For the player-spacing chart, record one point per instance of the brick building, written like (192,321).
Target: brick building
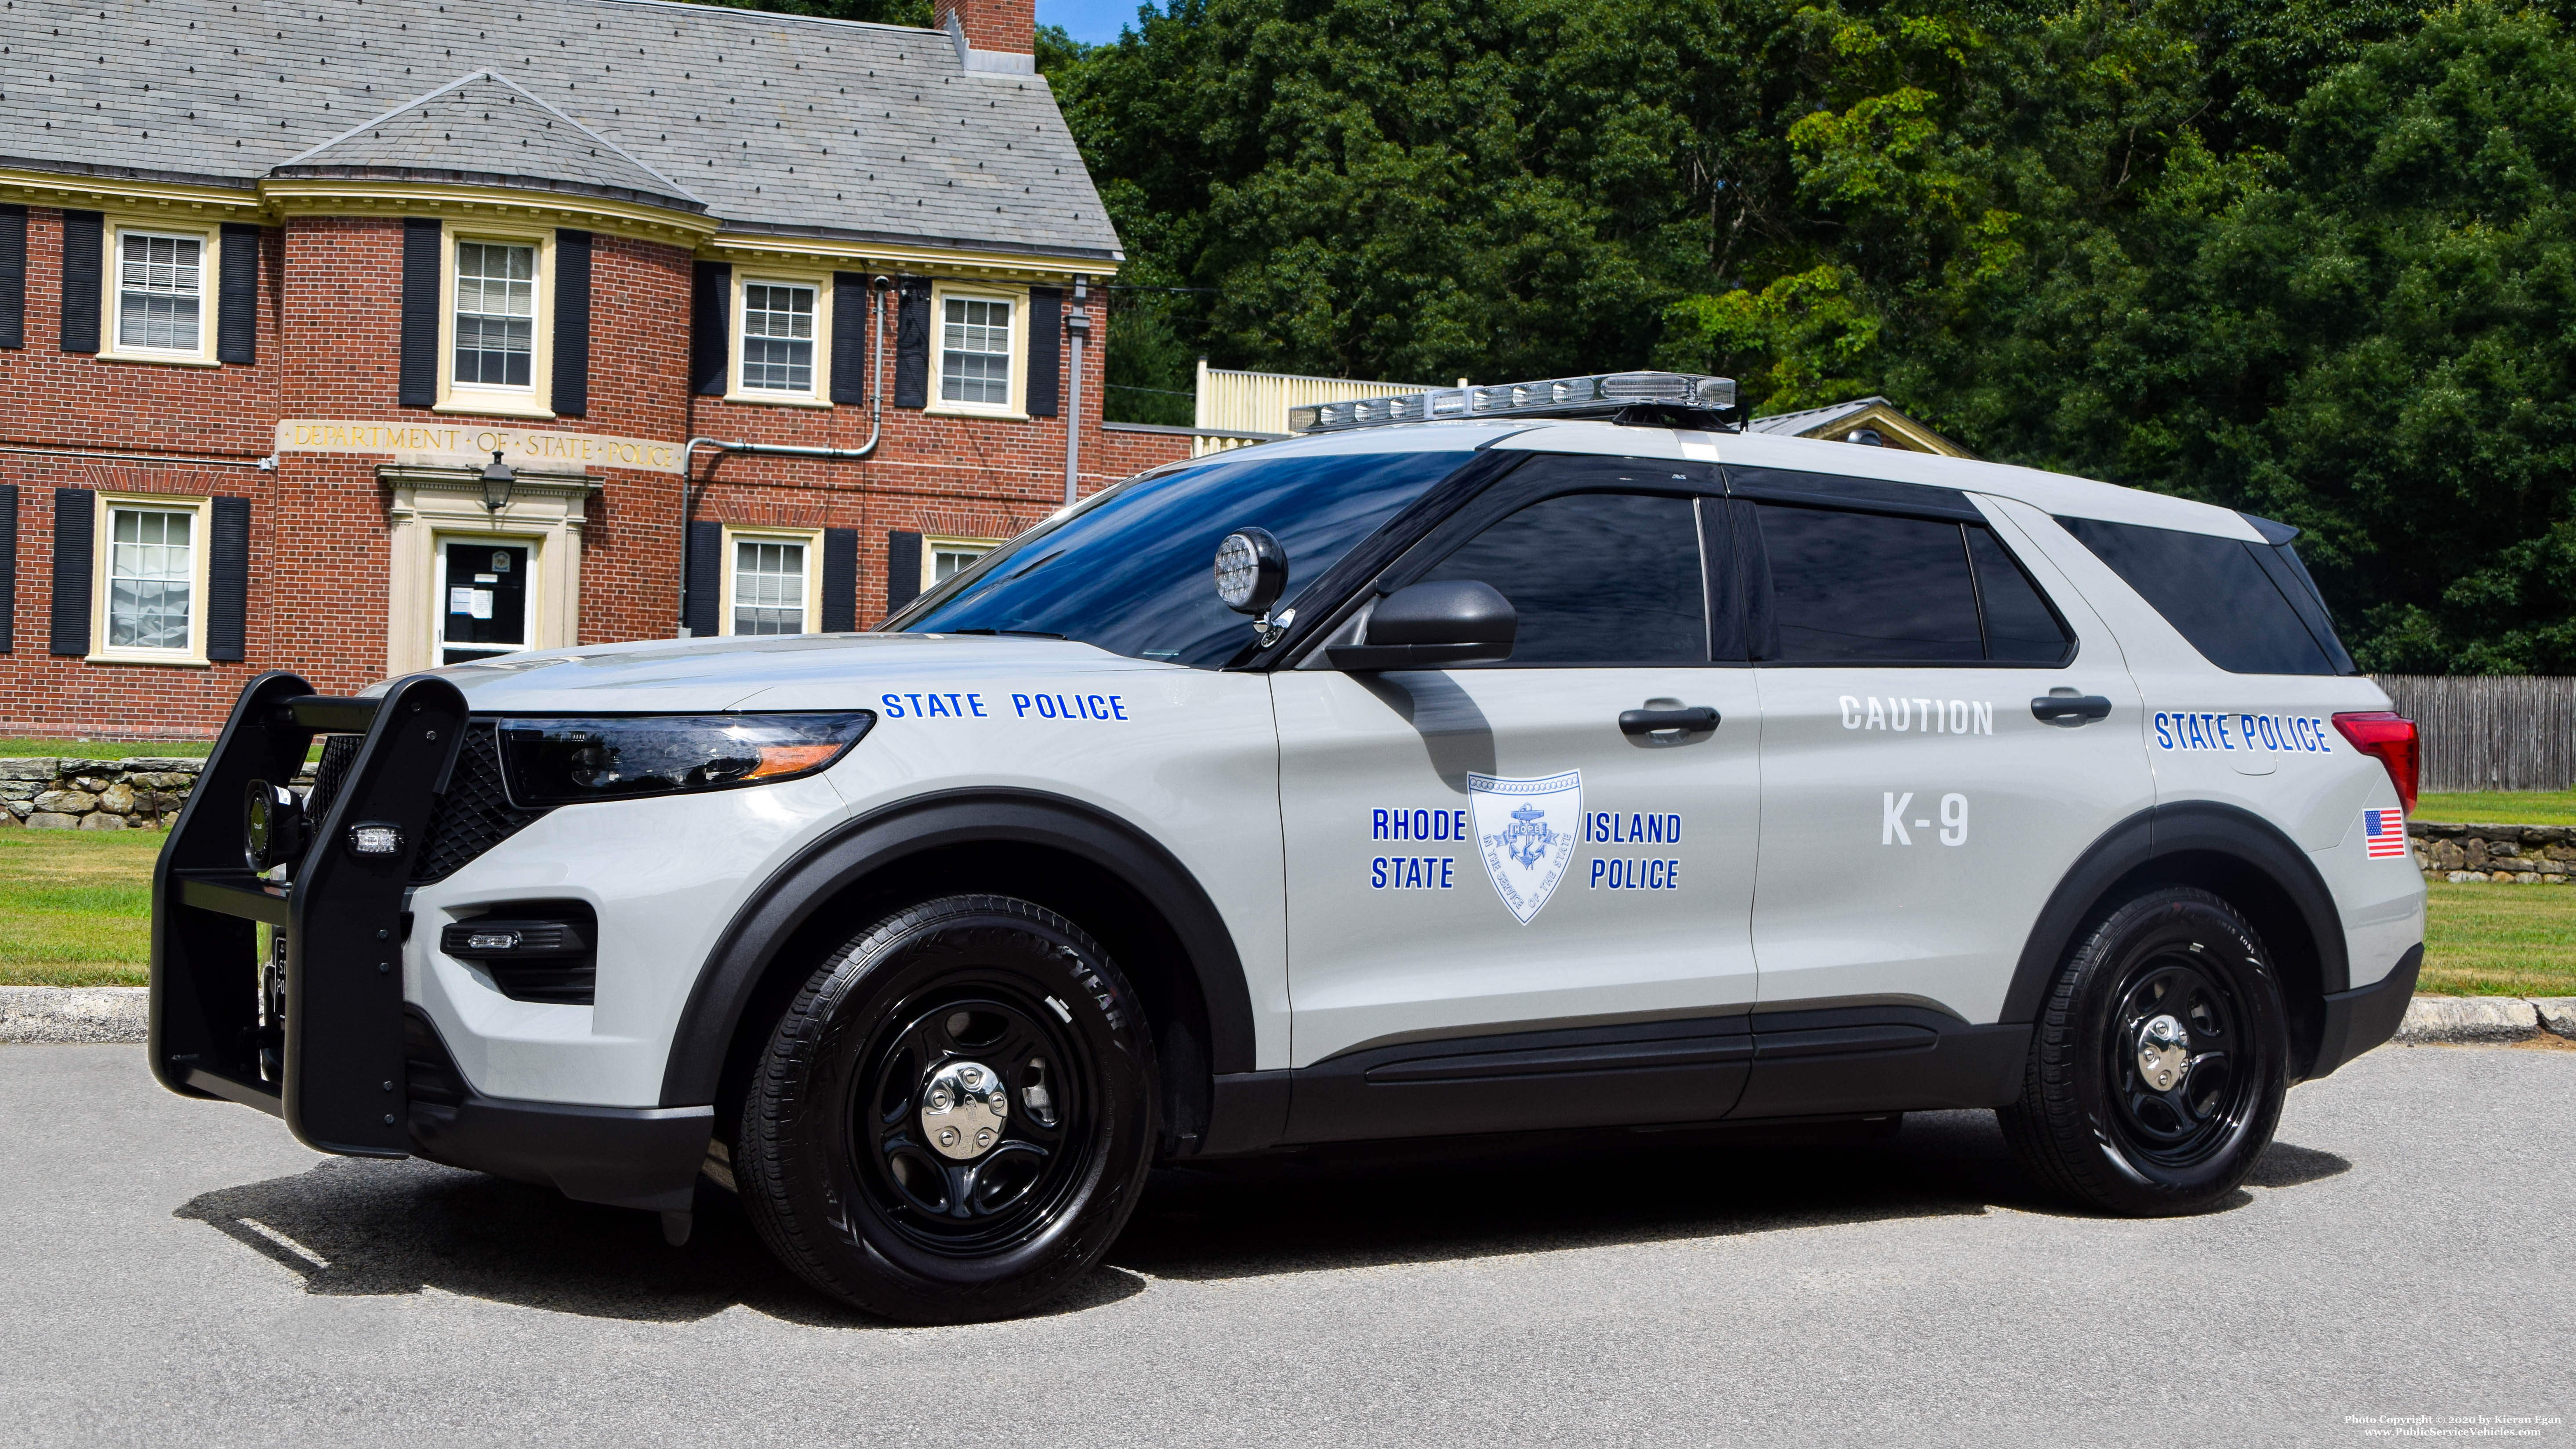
(278,277)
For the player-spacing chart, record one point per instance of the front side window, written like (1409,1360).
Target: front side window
(1596,578)
(160,292)
(777,337)
(151,578)
(1128,569)
(496,314)
(768,587)
(975,352)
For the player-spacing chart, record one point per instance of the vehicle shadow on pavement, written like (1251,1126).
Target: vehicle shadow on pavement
(363,1228)
(1370,1205)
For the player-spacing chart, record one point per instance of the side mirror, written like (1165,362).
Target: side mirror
(1424,626)
(1251,569)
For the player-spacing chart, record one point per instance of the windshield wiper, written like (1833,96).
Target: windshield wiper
(1012,633)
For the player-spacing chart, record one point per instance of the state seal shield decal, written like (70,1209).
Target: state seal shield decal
(1525,829)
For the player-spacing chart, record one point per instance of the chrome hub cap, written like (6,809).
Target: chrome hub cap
(2164,1052)
(962,1107)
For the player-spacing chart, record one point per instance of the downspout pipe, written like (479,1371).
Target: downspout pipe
(1077,325)
(878,286)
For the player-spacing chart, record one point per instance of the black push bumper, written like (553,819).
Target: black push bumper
(331,1048)
(2357,1020)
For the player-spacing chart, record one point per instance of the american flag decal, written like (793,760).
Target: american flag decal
(2385,832)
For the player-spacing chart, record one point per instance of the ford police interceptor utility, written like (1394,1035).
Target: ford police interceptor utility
(1542,756)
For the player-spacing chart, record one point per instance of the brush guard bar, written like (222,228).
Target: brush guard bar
(337,1076)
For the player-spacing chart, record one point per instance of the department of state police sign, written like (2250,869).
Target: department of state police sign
(1525,829)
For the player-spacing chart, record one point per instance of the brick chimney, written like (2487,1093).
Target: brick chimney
(994,26)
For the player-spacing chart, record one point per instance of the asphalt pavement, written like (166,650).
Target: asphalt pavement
(181,1273)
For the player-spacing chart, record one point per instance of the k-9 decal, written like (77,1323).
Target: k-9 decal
(1894,815)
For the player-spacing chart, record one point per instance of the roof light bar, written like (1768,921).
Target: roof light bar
(1599,395)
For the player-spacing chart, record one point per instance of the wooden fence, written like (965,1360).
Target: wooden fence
(2490,732)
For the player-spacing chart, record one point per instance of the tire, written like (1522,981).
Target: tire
(2159,1061)
(973,1052)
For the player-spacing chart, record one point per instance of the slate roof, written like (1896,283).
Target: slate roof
(777,123)
(486,131)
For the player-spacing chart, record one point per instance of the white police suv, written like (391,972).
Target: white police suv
(1543,756)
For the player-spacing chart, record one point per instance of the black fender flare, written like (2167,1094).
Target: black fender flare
(766,922)
(2194,826)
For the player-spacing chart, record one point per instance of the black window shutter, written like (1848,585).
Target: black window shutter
(237,301)
(84,248)
(1046,350)
(849,337)
(419,388)
(13,276)
(572,324)
(840,580)
(706,578)
(912,344)
(8,567)
(710,325)
(75,522)
(228,567)
(903,569)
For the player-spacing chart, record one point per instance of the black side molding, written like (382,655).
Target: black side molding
(1767,1066)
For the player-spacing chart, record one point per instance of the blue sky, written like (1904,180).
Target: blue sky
(1088,20)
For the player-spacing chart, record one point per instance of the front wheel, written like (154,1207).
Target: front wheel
(953,1119)
(2159,1062)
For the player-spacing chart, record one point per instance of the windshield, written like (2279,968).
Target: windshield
(1133,572)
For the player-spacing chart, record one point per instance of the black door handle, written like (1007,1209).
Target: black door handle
(1652,721)
(2078,707)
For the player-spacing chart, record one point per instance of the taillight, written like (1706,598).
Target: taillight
(2392,738)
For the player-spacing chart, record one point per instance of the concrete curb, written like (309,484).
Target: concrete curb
(72,1013)
(115,1014)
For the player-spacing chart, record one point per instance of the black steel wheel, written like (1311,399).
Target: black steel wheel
(2159,1062)
(954,1117)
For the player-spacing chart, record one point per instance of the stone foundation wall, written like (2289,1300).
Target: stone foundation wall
(2522,854)
(44,792)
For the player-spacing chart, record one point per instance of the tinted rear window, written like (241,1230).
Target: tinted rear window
(2216,592)
(1864,586)
(1132,571)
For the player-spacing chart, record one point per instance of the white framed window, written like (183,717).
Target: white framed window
(151,579)
(944,558)
(773,581)
(160,296)
(782,327)
(496,314)
(495,321)
(975,352)
(778,337)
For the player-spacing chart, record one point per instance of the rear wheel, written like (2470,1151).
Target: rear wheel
(954,1117)
(2159,1062)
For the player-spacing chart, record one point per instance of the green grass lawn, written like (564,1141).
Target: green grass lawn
(76,906)
(2500,807)
(107,749)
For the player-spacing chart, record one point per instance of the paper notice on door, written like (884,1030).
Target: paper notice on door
(482,603)
(460,601)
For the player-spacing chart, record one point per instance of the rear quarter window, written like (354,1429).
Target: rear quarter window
(2219,594)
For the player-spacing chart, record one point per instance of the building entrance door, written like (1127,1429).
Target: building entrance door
(483,591)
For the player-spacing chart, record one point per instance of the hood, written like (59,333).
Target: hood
(794,671)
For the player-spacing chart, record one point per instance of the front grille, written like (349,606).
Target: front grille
(473,816)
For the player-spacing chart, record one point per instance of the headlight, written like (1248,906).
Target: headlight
(570,760)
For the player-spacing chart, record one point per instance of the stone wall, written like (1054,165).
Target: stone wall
(47,793)
(2524,854)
